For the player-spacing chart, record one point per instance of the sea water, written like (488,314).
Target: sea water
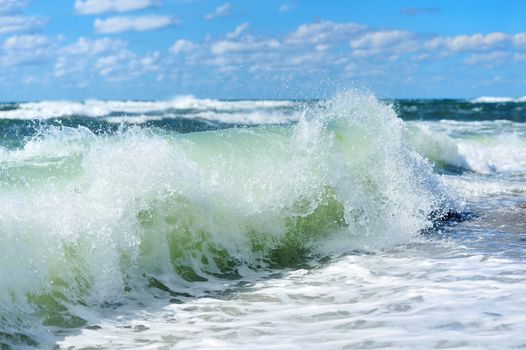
(348,222)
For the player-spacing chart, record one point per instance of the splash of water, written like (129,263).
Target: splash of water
(88,221)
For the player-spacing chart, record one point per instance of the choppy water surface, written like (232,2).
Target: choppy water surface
(341,223)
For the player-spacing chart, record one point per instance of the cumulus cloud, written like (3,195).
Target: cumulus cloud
(19,24)
(78,56)
(84,46)
(10,6)
(110,63)
(381,39)
(332,45)
(121,24)
(475,42)
(324,32)
(248,45)
(347,49)
(313,43)
(352,49)
(91,7)
(220,11)
(26,50)
(182,46)
(25,42)
(108,58)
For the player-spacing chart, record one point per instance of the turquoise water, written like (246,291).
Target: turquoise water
(341,223)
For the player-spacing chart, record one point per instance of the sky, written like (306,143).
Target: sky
(158,49)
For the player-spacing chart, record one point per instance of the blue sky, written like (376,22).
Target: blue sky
(157,49)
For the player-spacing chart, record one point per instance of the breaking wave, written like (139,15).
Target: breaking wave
(482,147)
(247,112)
(92,221)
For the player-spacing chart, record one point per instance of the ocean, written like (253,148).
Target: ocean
(350,222)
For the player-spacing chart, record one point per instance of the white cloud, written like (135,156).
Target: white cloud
(323,32)
(105,57)
(18,24)
(248,45)
(10,6)
(182,46)
(475,42)
(330,45)
(347,49)
(26,50)
(121,24)
(78,57)
(315,44)
(25,42)
(84,46)
(221,11)
(108,64)
(381,39)
(90,7)
(238,31)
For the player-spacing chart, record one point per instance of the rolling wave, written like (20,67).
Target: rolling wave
(182,106)
(92,221)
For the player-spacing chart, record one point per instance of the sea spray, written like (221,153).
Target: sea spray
(90,221)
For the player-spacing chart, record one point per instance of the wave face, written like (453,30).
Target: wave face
(92,221)
(481,147)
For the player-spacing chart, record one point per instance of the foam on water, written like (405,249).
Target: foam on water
(92,221)
(443,298)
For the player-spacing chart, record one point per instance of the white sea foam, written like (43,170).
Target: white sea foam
(480,187)
(448,298)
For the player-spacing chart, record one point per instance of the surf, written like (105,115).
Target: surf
(96,220)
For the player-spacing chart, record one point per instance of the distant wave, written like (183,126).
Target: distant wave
(250,112)
(493,99)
